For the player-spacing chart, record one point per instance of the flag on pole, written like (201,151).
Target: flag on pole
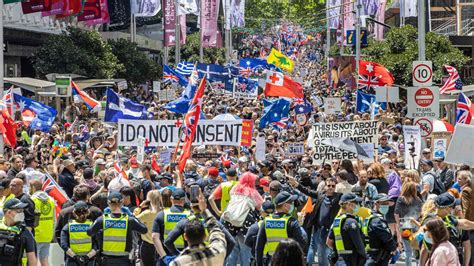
(277,84)
(191,121)
(464,110)
(280,60)
(454,81)
(145,8)
(54,191)
(7,126)
(372,74)
(81,96)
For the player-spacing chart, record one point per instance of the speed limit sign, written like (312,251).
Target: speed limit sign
(422,73)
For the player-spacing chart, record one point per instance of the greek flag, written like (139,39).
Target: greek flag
(185,68)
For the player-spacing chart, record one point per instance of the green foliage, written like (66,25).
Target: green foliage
(76,51)
(138,67)
(190,51)
(400,48)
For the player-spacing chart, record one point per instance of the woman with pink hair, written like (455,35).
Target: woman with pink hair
(243,196)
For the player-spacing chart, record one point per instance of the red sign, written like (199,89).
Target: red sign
(424,97)
(426,126)
(247,132)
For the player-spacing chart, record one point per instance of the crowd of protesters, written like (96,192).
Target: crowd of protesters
(81,153)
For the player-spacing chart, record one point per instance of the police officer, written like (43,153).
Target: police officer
(251,237)
(45,206)
(114,232)
(80,248)
(167,219)
(15,239)
(345,236)
(380,244)
(277,226)
(457,228)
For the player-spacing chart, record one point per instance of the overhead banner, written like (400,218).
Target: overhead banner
(91,10)
(104,15)
(412,137)
(145,8)
(360,132)
(160,133)
(234,13)
(169,14)
(33,6)
(210,35)
(57,8)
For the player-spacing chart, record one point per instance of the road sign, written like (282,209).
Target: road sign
(426,126)
(423,102)
(422,73)
(351,37)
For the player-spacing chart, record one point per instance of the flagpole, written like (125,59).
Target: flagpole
(177,52)
(421,30)
(2,145)
(358,22)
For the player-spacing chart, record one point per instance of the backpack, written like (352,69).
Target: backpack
(438,186)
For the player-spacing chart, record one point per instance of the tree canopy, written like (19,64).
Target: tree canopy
(190,51)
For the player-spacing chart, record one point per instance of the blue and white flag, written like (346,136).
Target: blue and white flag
(185,68)
(169,75)
(251,66)
(367,103)
(38,115)
(119,107)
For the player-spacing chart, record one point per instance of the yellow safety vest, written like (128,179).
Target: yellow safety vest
(45,229)
(171,219)
(79,241)
(4,199)
(276,230)
(337,229)
(365,231)
(225,198)
(115,235)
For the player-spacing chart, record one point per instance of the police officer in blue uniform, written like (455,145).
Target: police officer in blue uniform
(380,244)
(346,237)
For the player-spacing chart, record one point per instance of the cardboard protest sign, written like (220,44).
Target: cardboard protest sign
(141,149)
(296,148)
(440,143)
(245,88)
(247,132)
(260,148)
(166,132)
(332,105)
(461,146)
(360,132)
(412,137)
(387,94)
(165,156)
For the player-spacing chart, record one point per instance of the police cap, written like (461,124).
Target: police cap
(349,197)
(446,200)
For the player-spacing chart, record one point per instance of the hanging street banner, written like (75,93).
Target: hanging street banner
(359,132)
(210,34)
(160,133)
(423,102)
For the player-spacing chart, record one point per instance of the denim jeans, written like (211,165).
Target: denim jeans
(240,252)
(318,245)
(408,252)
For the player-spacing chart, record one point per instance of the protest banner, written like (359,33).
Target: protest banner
(296,148)
(156,86)
(461,146)
(387,94)
(165,156)
(360,132)
(167,132)
(141,149)
(412,137)
(332,105)
(206,155)
(369,149)
(247,133)
(260,148)
(245,89)
(440,143)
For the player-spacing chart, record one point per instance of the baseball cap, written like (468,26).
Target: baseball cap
(166,175)
(14,204)
(263,182)
(284,197)
(446,200)
(81,205)
(213,171)
(114,196)
(264,163)
(386,161)
(275,185)
(438,159)
(349,197)
(427,162)
(189,181)
(178,194)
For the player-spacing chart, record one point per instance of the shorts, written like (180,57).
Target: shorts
(43,250)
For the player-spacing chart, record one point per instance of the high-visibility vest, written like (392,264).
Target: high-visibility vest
(337,229)
(4,199)
(365,231)
(79,241)
(45,229)
(171,219)
(225,198)
(115,235)
(454,233)
(276,230)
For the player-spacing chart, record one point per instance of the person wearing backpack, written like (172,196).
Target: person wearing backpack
(430,181)
(222,193)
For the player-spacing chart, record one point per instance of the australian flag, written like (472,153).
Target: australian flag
(302,106)
(275,112)
(367,103)
(171,76)
(119,107)
(251,66)
(40,116)
(181,105)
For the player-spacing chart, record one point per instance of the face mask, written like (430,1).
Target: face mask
(19,217)
(383,209)
(356,209)
(427,239)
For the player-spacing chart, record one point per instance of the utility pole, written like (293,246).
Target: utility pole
(358,24)
(421,30)
(177,52)
(133,28)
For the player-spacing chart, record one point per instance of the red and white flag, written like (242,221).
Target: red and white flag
(54,191)
(453,83)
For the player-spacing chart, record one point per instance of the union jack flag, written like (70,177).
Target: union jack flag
(246,72)
(170,77)
(368,83)
(298,101)
(464,110)
(282,124)
(454,81)
(54,191)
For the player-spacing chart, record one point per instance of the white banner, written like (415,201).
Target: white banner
(461,146)
(387,94)
(141,149)
(332,105)
(260,148)
(145,8)
(296,148)
(166,132)
(412,136)
(360,132)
